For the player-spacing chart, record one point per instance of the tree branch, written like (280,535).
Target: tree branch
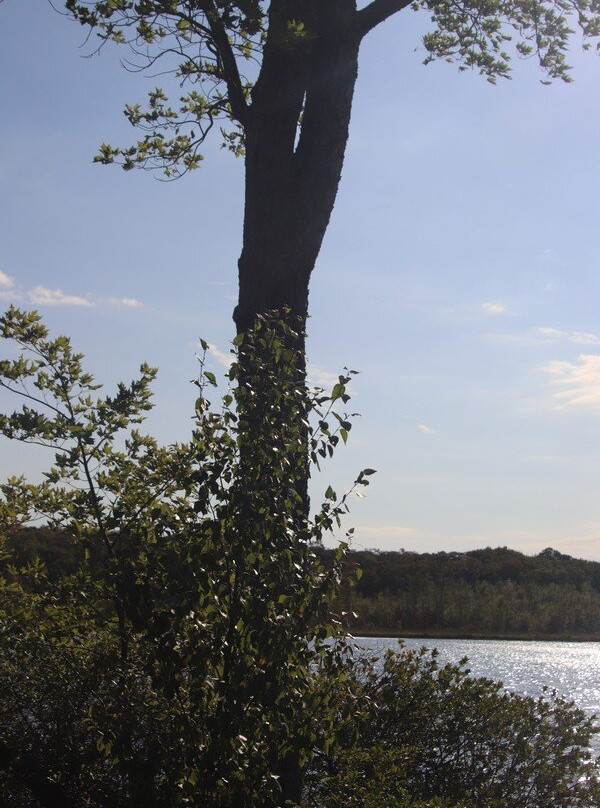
(28,395)
(235,90)
(376,12)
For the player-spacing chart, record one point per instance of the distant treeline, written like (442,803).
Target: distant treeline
(491,592)
(59,553)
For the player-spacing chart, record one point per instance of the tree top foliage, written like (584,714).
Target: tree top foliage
(221,54)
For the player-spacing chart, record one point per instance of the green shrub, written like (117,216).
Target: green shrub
(184,653)
(435,733)
(189,658)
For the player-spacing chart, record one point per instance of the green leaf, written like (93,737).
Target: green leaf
(337,392)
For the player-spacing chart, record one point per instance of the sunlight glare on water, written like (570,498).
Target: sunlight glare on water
(572,669)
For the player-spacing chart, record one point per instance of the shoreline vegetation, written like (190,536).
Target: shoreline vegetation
(367,632)
(488,594)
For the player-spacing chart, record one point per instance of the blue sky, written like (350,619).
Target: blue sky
(460,275)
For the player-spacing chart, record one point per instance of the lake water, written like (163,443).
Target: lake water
(573,669)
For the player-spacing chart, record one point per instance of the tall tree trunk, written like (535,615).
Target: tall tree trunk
(296,139)
(293,169)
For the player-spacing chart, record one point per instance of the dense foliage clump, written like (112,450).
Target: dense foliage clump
(431,732)
(181,647)
(185,654)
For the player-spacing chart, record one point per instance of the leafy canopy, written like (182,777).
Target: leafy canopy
(214,50)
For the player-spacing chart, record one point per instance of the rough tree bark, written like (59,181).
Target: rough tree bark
(292,172)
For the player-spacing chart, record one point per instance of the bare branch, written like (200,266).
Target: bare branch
(231,73)
(26,394)
(376,12)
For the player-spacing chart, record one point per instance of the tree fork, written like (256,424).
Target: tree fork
(292,177)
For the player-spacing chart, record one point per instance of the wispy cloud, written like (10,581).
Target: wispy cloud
(494,308)
(6,282)
(42,296)
(576,337)
(319,377)
(424,428)
(427,430)
(581,338)
(550,333)
(578,382)
(45,296)
(127,302)
(541,335)
(550,257)
(224,359)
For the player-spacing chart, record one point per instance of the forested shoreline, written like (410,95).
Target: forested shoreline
(492,593)
(488,593)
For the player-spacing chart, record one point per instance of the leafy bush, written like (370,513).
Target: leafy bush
(190,658)
(435,733)
(185,654)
